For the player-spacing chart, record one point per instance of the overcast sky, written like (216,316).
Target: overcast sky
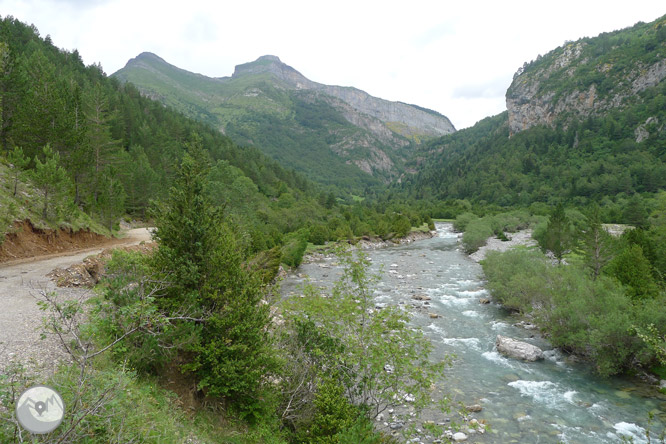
(454,57)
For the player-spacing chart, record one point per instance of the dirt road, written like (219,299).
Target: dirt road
(21,318)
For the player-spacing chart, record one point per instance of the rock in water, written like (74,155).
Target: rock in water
(460,436)
(517,349)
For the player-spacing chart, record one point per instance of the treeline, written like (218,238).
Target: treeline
(595,160)
(593,294)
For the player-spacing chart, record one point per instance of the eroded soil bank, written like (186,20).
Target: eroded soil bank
(24,240)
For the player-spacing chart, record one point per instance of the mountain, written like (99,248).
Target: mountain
(589,77)
(585,122)
(336,135)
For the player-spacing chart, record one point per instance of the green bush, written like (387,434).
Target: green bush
(294,248)
(591,317)
(476,234)
(460,224)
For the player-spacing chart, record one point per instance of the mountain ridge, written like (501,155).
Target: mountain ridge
(363,139)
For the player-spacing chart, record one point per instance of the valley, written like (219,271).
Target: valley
(331,267)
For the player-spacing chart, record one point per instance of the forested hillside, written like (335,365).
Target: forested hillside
(336,136)
(580,156)
(96,146)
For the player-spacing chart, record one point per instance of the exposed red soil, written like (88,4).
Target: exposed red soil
(26,241)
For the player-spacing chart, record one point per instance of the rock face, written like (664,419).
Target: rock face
(407,120)
(584,78)
(518,350)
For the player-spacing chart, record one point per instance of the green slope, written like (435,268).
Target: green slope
(302,124)
(604,154)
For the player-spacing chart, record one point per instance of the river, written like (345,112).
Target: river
(551,401)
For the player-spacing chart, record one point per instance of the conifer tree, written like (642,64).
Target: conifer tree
(558,233)
(49,177)
(201,256)
(20,162)
(597,245)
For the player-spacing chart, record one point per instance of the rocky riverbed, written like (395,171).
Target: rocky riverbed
(549,401)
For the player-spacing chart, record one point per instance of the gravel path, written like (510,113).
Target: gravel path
(21,318)
(523,237)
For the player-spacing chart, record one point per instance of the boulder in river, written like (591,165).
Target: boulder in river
(517,349)
(460,436)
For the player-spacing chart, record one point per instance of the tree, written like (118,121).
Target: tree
(375,354)
(111,198)
(597,243)
(102,148)
(557,238)
(20,162)
(213,290)
(49,177)
(633,270)
(635,213)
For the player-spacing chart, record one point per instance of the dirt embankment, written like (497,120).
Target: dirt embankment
(24,240)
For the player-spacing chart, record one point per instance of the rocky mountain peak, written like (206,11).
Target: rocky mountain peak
(273,65)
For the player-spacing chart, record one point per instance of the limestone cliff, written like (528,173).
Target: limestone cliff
(588,77)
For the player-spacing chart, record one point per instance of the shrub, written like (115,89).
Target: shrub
(476,234)
(460,224)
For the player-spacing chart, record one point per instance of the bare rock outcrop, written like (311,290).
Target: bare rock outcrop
(538,96)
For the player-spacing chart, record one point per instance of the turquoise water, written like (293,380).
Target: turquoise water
(551,401)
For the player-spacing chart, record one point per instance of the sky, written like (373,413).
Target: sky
(457,58)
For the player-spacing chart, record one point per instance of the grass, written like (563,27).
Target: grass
(137,409)
(423,229)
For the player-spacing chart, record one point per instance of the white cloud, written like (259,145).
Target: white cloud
(457,58)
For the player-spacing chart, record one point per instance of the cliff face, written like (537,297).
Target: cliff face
(407,120)
(588,77)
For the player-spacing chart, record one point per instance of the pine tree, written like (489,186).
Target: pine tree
(597,245)
(200,255)
(558,233)
(20,162)
(102,149)
(49,177)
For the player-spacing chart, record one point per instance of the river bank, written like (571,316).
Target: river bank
(550,401)
(367,243)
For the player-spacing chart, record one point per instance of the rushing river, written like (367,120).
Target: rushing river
(544,402)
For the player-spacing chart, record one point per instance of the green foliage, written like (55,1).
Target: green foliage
(633,270)
(50,178)
(401,225)
(334,415)
(590,317)
(478,230)
(19,162)
(343,337)
(558,237)
(462,220)
(294,248)
(597,245)
(476,234)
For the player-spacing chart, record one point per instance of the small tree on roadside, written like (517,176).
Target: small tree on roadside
(213,293)
(49,177)
(20,162)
